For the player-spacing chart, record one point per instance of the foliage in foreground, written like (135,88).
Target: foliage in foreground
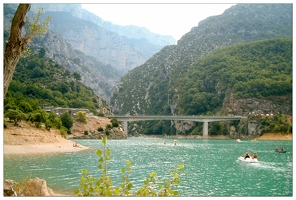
(102,185)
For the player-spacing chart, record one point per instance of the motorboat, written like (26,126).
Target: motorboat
(279,151)
(249,160)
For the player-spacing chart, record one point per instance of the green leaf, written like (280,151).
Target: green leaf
(76,191)
(104,140)
(146,181)
(117,191)
(128,162)
(176,193)
(171,191)
(152,174)
(129,186)
(181,166)
(101,160)
(99,152)
(100,166)
(108,152)
(123,170)
(84,171)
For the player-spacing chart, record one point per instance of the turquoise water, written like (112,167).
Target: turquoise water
(211,166)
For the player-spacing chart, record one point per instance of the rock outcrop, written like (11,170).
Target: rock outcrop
(33,187)
(90,129)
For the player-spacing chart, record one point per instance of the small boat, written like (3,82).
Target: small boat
(237,140)
(249,160)
(279,151)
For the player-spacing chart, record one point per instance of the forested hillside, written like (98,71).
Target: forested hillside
(41,80)
(261,69)
(173,82)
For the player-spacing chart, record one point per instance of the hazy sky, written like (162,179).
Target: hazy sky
(173,19)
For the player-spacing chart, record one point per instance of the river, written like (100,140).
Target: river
(211,168)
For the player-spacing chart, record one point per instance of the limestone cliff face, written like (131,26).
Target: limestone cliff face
(123,47)
(93,73)
(245,106)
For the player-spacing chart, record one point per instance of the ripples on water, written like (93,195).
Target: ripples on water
(211,166)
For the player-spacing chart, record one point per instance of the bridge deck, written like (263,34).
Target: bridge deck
(175,117)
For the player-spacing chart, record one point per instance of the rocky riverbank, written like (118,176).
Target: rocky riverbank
(30,187)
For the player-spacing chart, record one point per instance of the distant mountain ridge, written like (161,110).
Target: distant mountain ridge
(123,47)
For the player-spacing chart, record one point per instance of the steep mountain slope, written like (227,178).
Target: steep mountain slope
(102,78)
(123,47)
(156,86)
(260,70)
(41,80)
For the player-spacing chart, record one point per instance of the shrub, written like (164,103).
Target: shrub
(107,132)
(100,129)
(15,115)
(100,114)
(85,132)
(114,122)
(103,185)
(81,116)
(66,120)
(108,126)
(63,131)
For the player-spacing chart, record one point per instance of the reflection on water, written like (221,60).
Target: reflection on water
(211,166)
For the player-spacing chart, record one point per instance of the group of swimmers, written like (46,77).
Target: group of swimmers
(175,143)
(248,155)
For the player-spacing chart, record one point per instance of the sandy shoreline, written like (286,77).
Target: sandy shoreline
(27,139)
(63,147)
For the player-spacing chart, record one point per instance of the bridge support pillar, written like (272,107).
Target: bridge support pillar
(205,129)
(124,123)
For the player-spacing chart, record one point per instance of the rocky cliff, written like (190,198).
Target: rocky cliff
(123,47)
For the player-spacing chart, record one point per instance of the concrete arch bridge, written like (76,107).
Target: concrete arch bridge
(124,119)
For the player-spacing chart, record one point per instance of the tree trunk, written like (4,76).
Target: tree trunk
(15,46)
